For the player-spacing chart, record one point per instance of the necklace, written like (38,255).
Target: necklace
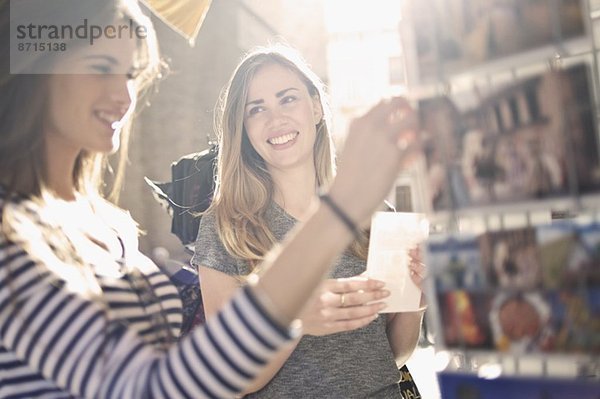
(108,241)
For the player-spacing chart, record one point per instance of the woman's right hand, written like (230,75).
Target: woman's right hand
(378,145)
(343,305)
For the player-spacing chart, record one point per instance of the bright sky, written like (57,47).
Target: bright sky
(343,16)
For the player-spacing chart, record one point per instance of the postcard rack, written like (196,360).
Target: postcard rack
(508,98)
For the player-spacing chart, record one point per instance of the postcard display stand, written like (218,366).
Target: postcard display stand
(507,94)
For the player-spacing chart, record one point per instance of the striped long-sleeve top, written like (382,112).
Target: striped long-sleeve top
(55,343)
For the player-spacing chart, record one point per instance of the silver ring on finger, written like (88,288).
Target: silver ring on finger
(342,300)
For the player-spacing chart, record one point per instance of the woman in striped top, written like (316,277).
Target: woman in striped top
(82,312)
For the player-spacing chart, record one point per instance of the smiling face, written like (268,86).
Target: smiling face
(280,118)
(92,98)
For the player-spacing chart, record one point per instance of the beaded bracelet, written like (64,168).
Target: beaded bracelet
(343,216)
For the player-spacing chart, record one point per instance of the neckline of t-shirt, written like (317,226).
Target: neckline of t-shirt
(283,212)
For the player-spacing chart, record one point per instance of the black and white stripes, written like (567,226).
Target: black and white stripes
(54,343)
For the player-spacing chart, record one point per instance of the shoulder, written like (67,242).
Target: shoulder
(22,232)
(210,251)
(15,200)
(19,210)
(208,219)
(208,231)
(208,235)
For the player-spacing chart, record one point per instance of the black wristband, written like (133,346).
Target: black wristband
(343,216)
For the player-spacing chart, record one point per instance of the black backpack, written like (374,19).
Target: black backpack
(190,191)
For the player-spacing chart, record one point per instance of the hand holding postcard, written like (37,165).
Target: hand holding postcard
(393,234)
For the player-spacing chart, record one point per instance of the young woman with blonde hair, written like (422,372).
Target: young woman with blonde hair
(276,154)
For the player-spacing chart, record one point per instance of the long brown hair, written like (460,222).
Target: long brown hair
(23,108)
(244,187)
(23,100)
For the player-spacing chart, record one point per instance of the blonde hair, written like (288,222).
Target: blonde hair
(244,187)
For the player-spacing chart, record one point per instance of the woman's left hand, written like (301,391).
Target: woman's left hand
(343,304)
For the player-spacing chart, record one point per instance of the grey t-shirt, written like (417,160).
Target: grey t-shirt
(353,364)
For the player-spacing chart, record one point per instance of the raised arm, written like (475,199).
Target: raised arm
(75,344)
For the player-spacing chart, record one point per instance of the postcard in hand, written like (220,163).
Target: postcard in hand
(393,234)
